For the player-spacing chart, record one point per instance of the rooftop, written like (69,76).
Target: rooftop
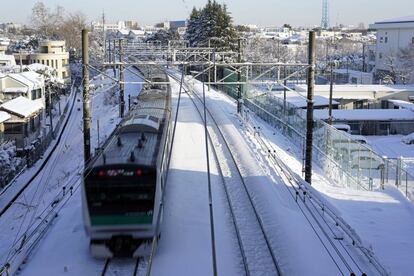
(4,116)
(404,19)
(22,106)
(366,114)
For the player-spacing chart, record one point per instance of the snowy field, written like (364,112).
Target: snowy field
(383,220)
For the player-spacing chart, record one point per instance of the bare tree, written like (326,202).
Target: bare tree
(45,21)
(70,30)
(399,65)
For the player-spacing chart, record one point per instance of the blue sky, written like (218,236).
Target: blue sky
(260,12)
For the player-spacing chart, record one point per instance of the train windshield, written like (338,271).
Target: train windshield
(121,196)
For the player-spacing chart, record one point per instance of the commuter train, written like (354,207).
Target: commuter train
(123,183)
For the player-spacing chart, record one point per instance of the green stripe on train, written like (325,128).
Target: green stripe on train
(120,220)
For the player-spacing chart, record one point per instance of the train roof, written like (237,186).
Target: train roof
(137,138)
(130,148)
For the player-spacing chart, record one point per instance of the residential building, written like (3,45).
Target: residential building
(372,121)
(392,36)
(345,76)
(363,96)
(50,53)
(30,85)
(4,116)
(7,60)
(109,27)
(25,123)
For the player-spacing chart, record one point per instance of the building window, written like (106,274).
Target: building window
(412,40)
(47,62)
(386,40)
(381,39)
(380,55)
(13,128)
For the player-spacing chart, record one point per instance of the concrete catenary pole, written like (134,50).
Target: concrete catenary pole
(114,57)
(309,111)
(121,80)
(239,92)
(330,93)
(86,99)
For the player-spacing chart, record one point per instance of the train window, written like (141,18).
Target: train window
(154,119)
(120,195)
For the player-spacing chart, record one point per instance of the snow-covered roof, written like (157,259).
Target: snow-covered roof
(137,32)
(404,19)
(31,79)
(22,106)
(358,88)
(351,72)
(123,32)
(2,75)
(366,114)
(301,102)
(14,90)
(403,104)
(4,116)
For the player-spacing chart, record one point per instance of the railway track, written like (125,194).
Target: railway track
(256,250)
(45,162)
(339,240)
(122,267)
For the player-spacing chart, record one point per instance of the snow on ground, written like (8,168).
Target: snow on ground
(390,146)
(185,246)
(62,170)
(292,238)
(383,219)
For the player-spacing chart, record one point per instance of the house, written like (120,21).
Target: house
(377,122)
(51,53)
(300,101)
(24,125)
(4,116)
(7,60)
(122,34)
(136,35)
(352,76)
(351,96)
(392,36)
(30,85)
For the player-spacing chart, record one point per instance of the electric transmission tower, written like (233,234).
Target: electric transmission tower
(325,14)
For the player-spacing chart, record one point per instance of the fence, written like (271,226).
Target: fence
(346,162)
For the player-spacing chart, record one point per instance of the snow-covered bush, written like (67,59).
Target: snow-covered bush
(8,160)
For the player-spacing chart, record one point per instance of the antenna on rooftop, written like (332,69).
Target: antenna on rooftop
(325,14)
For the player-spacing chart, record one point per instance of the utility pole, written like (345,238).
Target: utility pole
(209,65)
(114,57)
(86,99)
(309,111)
(363,58)
(330,94)
(104,34)
(50,110)
(239,94)
(21,61)
(121,80)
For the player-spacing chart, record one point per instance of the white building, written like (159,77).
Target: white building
(30,85)
(392,35)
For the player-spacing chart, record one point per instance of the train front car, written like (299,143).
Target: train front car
(123,184)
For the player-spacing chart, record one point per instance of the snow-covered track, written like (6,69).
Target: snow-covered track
(338,239)
(45,161)
(121,267)
(255,248)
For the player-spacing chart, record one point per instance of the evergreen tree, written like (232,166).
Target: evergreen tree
(212,21)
